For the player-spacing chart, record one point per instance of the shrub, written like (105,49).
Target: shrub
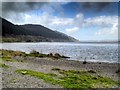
(34,52)
(55,69)
(91,71)
(118,71)
(84,62)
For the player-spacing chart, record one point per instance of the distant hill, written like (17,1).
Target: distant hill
(32,33)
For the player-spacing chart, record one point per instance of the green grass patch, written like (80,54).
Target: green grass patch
(72,71)
(3,66)
(40,75)
(11,53)
(72,78)
(7,59)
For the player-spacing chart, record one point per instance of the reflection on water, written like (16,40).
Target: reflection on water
(77,51)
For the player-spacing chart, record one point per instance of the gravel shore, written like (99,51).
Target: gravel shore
(10,79)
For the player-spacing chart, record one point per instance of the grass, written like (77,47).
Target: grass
(72,78)
(40,75)
(6,55)
(3,66)
(9,59)
(11,53)
(73,71)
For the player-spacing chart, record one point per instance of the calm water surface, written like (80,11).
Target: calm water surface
(77,51)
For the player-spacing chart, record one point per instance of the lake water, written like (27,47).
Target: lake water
(77,51)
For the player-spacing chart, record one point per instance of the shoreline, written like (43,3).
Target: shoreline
(106,69)
(73,60)
(45,65)
(70,58)
(93,61)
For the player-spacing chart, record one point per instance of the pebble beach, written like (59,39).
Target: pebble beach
(12,80)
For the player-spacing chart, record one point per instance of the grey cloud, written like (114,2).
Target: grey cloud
(97,6)
(60,0)
(20,6)
(25,0)
(15,10)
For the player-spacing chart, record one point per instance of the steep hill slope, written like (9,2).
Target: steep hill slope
(31,33)
(39,30)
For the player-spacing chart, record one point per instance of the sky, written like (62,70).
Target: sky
(84,21)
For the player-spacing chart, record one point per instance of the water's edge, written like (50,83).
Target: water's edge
(77,51)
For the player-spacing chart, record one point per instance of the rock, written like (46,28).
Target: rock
(50,55)
(57,55)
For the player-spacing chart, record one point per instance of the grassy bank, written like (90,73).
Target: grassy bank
(11,53)
(72,78)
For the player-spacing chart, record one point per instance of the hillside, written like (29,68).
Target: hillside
(32,33)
